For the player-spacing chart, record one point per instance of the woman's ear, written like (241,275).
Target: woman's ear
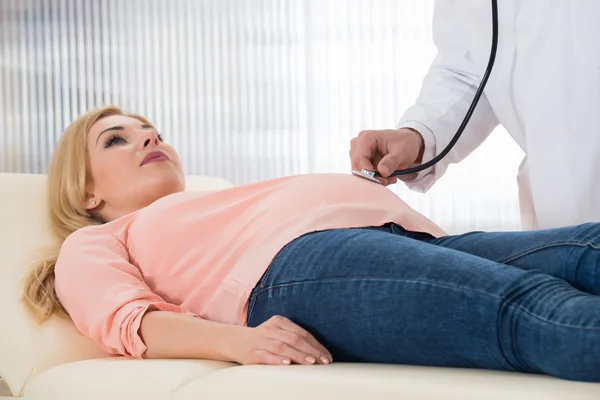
(91,201)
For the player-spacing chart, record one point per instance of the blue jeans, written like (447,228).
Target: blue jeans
(516,301)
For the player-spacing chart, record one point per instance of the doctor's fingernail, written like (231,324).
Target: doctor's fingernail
(310,360)
(325,360)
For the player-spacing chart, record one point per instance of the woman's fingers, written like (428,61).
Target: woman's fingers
(299,338)
(290,326)
(266,357)
(312,353)
(284,350)
(323,351)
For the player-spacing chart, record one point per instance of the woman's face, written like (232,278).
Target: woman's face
(130,167)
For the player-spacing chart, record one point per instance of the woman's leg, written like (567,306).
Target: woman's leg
(370,296)
(571,253)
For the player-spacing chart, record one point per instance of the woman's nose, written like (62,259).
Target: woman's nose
(150,139)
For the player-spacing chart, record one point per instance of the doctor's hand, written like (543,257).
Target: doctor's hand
(279,341)
(386,151)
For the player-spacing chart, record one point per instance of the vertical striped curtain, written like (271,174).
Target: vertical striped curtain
(244,89)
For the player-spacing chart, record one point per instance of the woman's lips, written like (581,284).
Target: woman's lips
(155,156)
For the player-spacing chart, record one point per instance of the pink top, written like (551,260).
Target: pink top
(202,253)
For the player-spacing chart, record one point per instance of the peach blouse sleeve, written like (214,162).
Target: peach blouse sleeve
(104,294)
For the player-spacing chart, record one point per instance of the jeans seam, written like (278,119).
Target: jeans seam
(369,278)
(499,339)
(251,303)
(523,253)
(260,286)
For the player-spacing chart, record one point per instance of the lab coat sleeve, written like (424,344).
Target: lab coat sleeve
(446,94)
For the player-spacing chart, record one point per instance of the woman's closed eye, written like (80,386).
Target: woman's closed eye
(114,139)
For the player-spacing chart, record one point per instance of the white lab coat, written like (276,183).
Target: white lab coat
(545,90)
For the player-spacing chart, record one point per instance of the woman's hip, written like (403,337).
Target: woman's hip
(373,296)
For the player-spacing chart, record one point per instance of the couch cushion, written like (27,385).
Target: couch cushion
(118,379)
(26,349)
(363,381)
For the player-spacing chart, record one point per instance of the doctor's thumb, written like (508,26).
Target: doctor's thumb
(388,164)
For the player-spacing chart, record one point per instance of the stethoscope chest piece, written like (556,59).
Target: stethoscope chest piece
(365,173)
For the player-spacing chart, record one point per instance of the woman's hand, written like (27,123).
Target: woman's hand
(279,341)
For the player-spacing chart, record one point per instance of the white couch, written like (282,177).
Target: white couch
(53,361)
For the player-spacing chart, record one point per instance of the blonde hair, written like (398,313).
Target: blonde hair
(66,198)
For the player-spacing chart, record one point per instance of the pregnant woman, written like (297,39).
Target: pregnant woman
(302,269)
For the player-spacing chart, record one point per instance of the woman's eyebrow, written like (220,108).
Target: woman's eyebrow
(114,128)
(121,128)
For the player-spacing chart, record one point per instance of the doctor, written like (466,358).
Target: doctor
(544,89)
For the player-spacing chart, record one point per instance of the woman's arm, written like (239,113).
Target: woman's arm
(109,302)
(104,294)
(172,335)
(277,341)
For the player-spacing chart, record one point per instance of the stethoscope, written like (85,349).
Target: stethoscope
(372,175)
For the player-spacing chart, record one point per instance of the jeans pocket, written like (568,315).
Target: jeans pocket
(585,32)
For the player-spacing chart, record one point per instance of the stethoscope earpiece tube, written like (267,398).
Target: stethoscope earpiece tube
(469,113)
